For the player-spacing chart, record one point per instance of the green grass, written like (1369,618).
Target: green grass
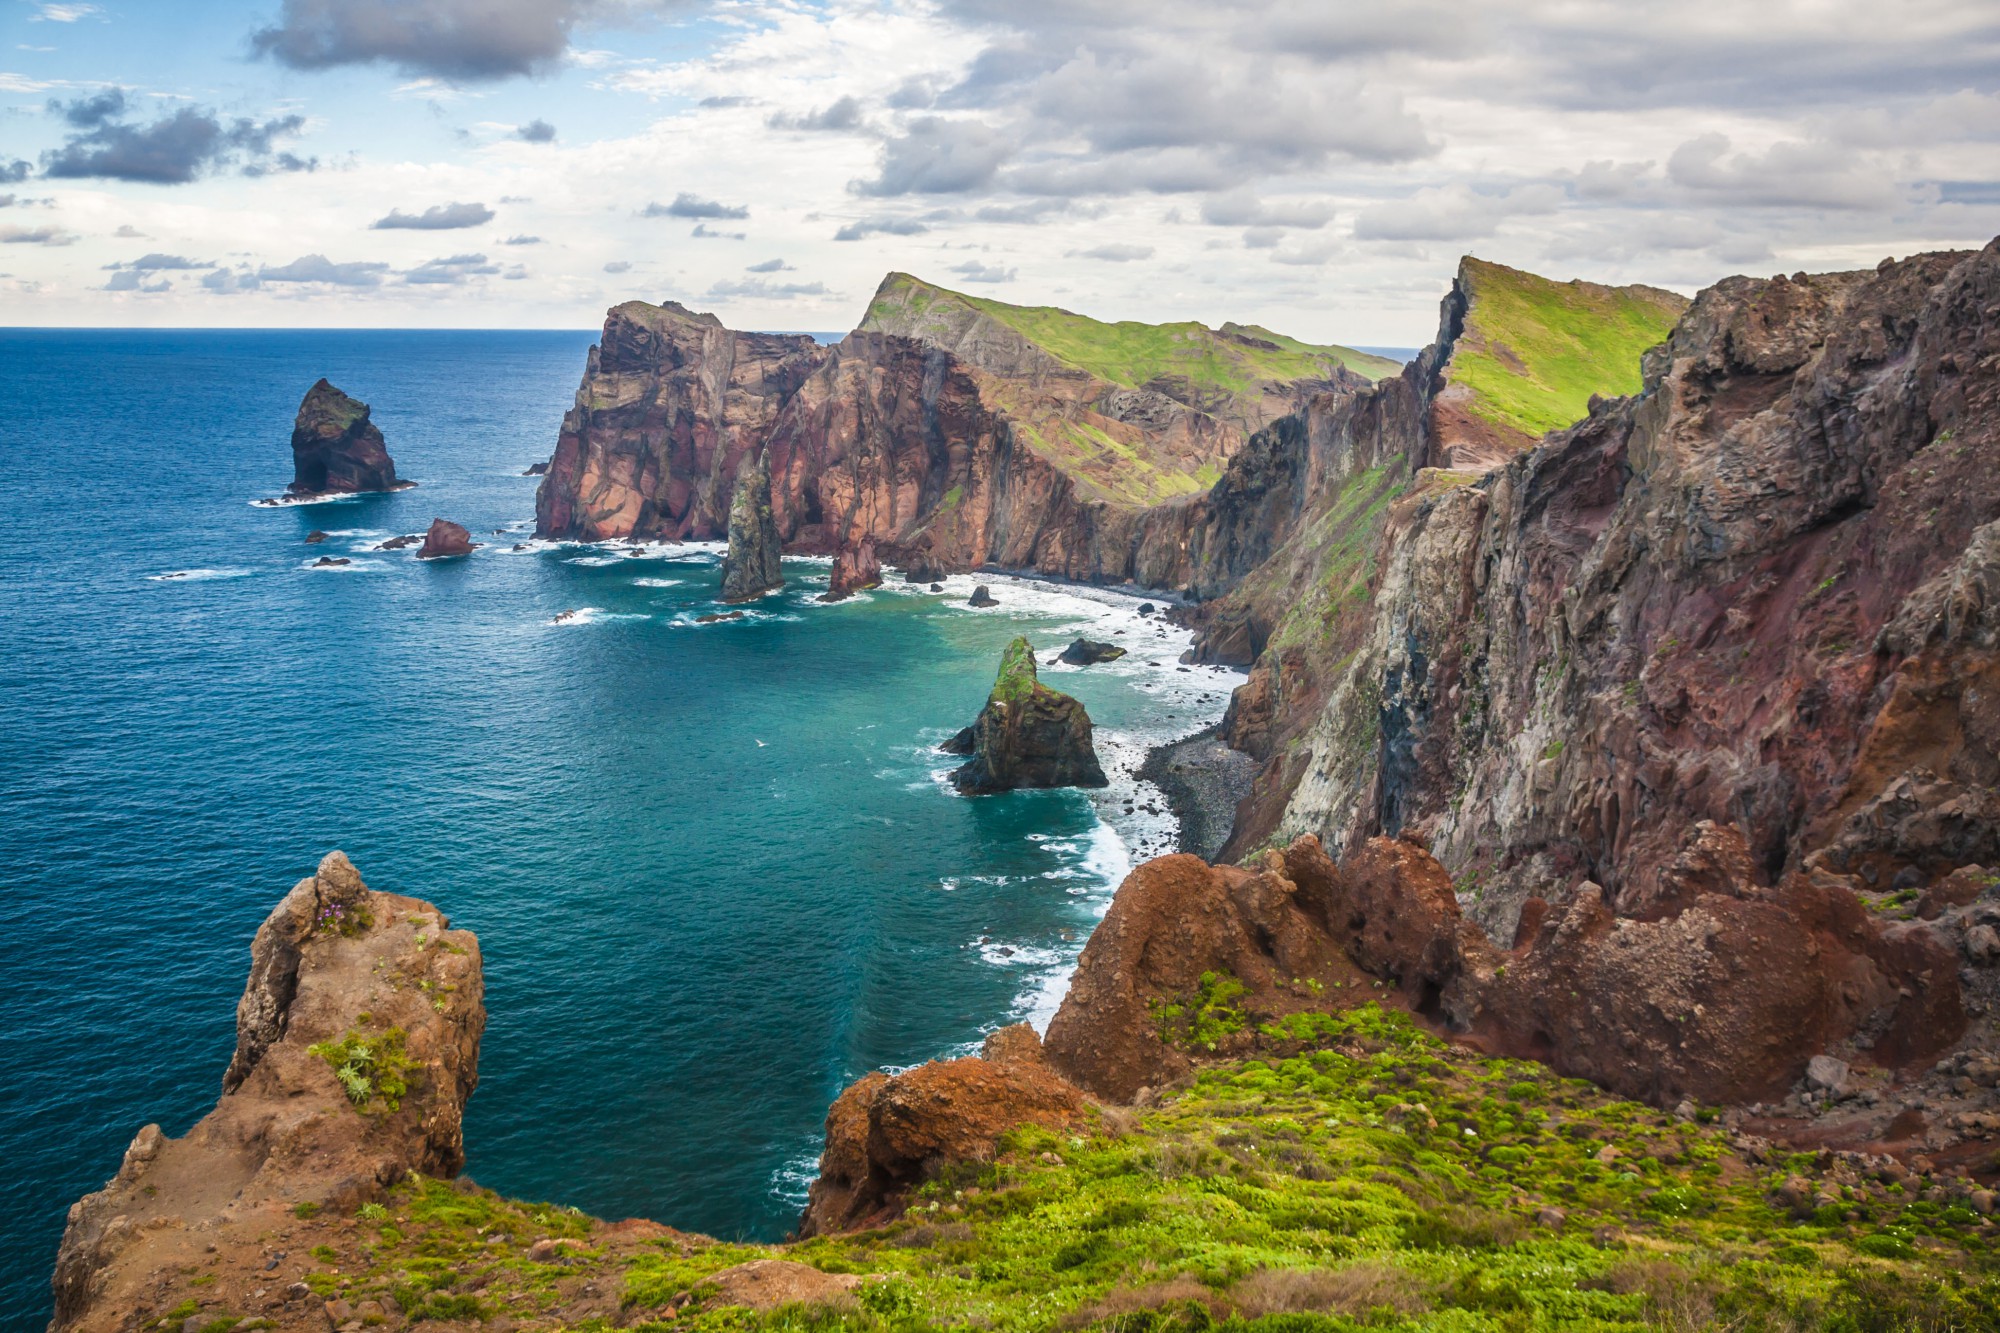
(1569,339)
(1129,353)
(1359,1174)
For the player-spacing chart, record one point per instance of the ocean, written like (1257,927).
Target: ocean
(714,869)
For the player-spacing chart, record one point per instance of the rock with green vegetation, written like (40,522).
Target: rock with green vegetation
(1530,353)
(1027,735)
(357,1045)
(1356,1174)
(753,566)
(336,449)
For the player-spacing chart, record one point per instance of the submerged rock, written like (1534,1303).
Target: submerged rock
(357,1044)
(715,616)
(444,540)
(315,537)
(1028,735)
(336,449)
(752,568)
(1088,652)
(855,569)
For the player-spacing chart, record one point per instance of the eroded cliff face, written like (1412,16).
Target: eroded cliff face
(670,403)
(1755,594)
(753,565)
(946,438)
(357,1045)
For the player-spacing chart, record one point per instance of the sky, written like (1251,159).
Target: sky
(1316,166)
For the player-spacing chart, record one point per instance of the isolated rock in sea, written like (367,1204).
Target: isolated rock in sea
(336,449)
(716,617)
(1028,735)
(886,1135)
(315,537)
(444,539)
(854,570)
(1089,652)
(753,566)
(400,542)
(328,561)
(357,1044)
(981,597)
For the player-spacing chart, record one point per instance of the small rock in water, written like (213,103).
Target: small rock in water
(937,587)
(714,616)
(981,597)
(315,537)
(331,560)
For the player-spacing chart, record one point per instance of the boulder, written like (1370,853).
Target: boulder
(886,1134)
(1028,735)
(336,449)
(1088,652)
(444,540)
(753,566)
(855,569)
(1827,1074)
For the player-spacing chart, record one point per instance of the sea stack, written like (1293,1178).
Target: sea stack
(1028,735)
(752,567)
(444,540)
(855,569)
(1088,652)
(336,449)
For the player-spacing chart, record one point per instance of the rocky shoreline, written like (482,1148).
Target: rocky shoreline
(1204,781)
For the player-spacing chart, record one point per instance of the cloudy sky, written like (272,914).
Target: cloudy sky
(1315,165)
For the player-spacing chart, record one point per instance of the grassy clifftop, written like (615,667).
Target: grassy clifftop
(1534,350)
(1234,359)
(1058,375)
(1364,1175)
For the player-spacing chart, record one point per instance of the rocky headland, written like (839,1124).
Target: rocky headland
(336,449)
(1027,735)
(950,432)
(357,1044)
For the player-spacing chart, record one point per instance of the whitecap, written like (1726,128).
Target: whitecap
(198,575)
(658,583)
(594,615)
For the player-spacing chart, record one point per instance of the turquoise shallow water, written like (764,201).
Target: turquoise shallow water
(712,868)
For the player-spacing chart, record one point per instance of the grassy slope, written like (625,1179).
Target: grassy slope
(1568,340)
(1363,1174)
(1113,460)
(1130,354)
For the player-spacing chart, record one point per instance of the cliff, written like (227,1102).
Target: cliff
(357,1044)
(950,432)
(1027,735)
(1722,599)
(336,449)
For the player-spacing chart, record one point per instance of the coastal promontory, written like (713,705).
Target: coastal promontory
(336,449)
(1027,735)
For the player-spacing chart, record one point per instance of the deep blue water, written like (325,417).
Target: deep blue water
(712,869)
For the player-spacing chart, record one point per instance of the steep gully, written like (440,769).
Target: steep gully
(1664,753)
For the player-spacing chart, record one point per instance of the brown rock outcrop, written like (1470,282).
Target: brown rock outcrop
(1027,735)
(445,539)
(885,1134)
(1724,1000)
(1176,930)
(753,566)
(357,1047)
(855,569)
(336,449)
